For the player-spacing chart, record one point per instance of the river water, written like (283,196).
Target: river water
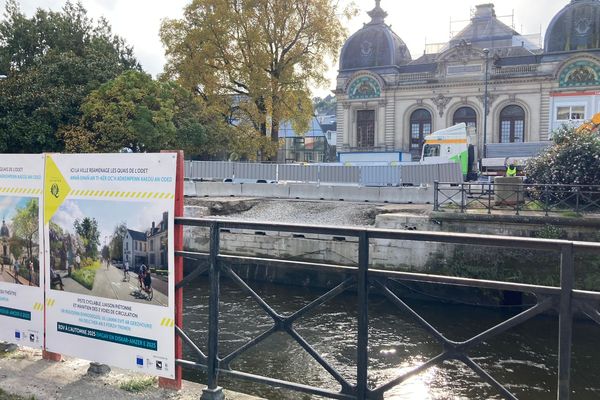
(524,358)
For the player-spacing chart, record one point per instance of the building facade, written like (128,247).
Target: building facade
(149,248)
(388,101)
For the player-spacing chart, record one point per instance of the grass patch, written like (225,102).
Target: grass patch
(7,396)
(137,385)
(85,276)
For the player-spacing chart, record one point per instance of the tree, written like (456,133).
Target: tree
(254,60)
(26,226)
(87,230)
(574,159)
(116,243)
(53,60)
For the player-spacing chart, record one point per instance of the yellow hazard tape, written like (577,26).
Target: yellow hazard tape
(38,307)
(14,190)
(167,322)
(50,302)
(118,194)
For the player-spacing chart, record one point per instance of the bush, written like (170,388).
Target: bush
(85,276)
(574,159)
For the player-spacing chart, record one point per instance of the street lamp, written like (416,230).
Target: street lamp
(485,100)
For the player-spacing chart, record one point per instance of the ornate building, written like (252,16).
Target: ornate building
(388,101)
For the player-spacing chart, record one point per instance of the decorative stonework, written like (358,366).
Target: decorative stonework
(491,98)
(462,52)
(441,102)
(364,87)
(580,73)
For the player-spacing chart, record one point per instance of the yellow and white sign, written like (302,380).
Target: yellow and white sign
(108,222)
(21,250)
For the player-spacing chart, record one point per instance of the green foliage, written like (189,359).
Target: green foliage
(87,229)
(87,273)
(26,226)
(551,232)
(52,60)
(116,242)
(137,385)
(326,106)
(574,159)
(7,396)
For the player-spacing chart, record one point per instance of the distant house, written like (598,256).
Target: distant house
(149,248)
(312,146)
(157,242)
(135,249)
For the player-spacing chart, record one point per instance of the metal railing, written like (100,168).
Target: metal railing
(363,175)
(360,280)
(515,197)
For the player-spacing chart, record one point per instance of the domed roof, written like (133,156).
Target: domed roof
(4,230)
(575,27)
(375,45)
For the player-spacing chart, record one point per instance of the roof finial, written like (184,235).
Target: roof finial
(377,14)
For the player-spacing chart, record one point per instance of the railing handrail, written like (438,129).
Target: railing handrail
(396,234)
(560,185)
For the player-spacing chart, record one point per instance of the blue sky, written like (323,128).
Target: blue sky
(10,205)
(136,215)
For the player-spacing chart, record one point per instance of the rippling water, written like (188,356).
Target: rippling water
(524,358)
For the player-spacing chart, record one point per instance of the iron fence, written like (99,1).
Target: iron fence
(516,197)
(362,175)
(360,280)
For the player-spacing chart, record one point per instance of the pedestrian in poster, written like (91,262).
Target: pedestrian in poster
(16,268)
(30,269)
(77,261)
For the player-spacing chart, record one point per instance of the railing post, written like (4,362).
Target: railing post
(363,317)
(546,206)
(175,384)
(578,193)
(436,200)
(213,391)
(462,197)
(489,197)
(565,330)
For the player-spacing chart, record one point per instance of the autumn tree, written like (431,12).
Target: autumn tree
(254,60)
(52,61)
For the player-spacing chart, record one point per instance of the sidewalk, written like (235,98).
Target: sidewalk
(25,373)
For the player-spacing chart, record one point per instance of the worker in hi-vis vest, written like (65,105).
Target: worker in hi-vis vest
(511,170)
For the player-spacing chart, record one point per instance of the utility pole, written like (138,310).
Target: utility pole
(485,100)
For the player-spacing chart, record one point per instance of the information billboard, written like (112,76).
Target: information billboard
(108,222)
(21,254)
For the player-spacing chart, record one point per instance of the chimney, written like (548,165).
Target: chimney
(485,11)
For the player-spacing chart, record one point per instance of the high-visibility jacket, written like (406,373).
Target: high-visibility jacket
(511,171)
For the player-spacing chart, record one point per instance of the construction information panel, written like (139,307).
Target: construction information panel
(21,254)
(108,222)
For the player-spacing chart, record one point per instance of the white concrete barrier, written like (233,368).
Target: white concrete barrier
(398,195)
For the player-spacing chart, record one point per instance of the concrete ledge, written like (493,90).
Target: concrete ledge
(592,221)
(265,190)
(398,195)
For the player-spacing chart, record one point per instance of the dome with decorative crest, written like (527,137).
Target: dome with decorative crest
(375,45)
(575,27)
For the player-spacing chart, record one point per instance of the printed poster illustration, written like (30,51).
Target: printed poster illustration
(21,254)
(108,222)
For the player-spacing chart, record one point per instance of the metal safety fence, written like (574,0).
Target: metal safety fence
(516,198)
(363,175)
(361,279)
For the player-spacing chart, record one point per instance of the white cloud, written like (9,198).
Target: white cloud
(138,21)
(66,215)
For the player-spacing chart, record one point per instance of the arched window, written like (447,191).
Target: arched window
(466,115)
(420,126)
(365,121)
(512,124)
